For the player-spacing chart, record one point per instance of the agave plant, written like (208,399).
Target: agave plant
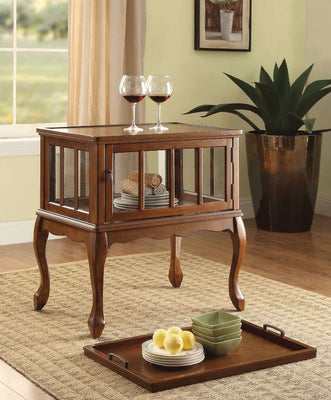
(281,106)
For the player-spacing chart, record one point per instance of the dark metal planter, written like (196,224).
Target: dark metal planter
(283,176)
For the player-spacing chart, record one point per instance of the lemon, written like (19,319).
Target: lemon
(174,329)
(188,340)
(158,337)
(173,343)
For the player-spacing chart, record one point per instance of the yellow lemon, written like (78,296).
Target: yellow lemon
(188,340)
(173,343)
(174,329)
(159,336)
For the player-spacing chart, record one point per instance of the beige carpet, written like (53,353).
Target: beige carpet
(47,346)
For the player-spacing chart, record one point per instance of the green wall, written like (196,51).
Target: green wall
(319,53)
(19,188)
(278,31)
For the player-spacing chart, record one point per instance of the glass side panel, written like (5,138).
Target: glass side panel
(69,173)
(189,190)
(213,173)
(69,177)
(220,172)
(54,174)
(125,182)
(82,180)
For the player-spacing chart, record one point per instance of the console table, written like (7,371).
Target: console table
(83,170)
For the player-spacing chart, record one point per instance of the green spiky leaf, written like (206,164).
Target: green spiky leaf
(297,89)
(202,108)
(281,106)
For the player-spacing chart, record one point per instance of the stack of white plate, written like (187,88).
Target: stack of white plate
(130,201)
(155,355)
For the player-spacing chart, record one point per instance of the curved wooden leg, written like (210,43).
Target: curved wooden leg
(175,272)
(39,244)
(239,247)
(97,251)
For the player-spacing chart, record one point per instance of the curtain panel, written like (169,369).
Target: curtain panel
(106,40)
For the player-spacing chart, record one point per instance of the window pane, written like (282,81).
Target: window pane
(42,23)
(41,87)
(6,23)
(6,88)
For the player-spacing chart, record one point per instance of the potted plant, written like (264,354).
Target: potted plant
(284,156)
(226,17)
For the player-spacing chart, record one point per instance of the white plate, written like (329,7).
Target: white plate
(151,349)
(177,363)
(125,204)
(178,356)
(172,361)
(148,200)
(149,197)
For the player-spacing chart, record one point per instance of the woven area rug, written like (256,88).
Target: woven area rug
(47,346)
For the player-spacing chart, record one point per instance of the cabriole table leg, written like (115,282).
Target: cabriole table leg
(97,252)
(175,272)
(39,244)
(239,247)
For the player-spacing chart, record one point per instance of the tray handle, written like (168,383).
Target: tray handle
(266,326)
(125,361)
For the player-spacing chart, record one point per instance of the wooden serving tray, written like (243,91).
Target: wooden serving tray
(260,348)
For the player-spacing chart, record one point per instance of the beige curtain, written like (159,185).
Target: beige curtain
(106,40)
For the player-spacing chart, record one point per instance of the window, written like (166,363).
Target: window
(33,65)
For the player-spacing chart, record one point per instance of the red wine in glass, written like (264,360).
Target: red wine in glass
(133,98)
(159,98)
(133,89)
(159,89)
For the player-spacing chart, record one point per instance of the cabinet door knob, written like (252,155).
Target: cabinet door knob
(109,172)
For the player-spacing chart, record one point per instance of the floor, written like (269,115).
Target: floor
(299,259)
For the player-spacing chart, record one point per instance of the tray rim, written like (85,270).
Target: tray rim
(300,350)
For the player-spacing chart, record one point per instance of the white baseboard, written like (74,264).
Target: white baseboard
(18,232)
(22,231)
(246,207)
(323,207)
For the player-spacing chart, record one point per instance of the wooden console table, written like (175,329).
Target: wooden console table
(82,169)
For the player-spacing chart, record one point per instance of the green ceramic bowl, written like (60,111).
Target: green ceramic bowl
(217,332)
(228,336)
(215,319)
(219,348)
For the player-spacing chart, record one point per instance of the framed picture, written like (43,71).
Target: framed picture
(223,25)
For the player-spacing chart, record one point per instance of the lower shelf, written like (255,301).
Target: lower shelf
(259,349)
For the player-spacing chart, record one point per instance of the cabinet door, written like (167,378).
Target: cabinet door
(181,178)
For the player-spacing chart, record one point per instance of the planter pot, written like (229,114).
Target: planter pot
(226,17)
(283,175)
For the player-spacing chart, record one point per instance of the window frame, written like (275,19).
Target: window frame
(14,130)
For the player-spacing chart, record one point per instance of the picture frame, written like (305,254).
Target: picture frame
(223,25)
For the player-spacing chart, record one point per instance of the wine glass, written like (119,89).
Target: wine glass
(159,89)
(133,89)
